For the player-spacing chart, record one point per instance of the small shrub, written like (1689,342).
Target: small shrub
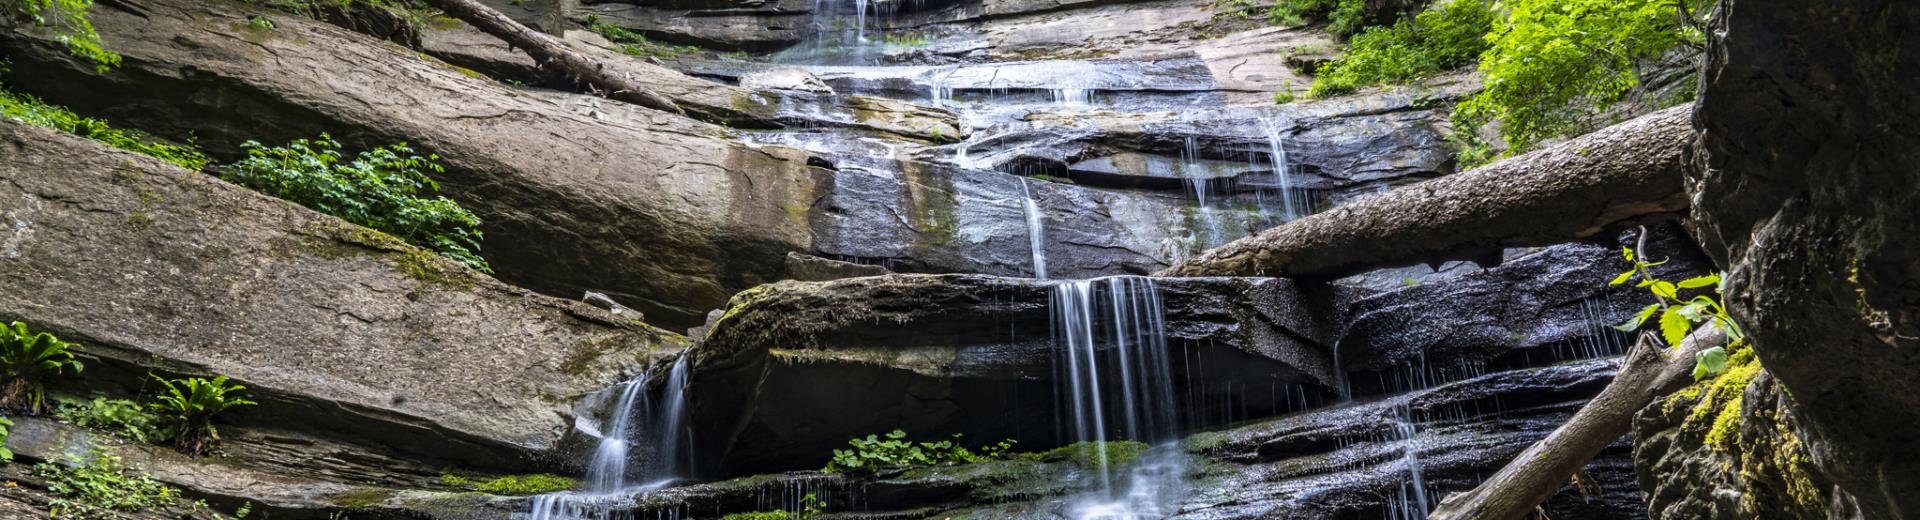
(100,486)
(33,111)
(68,18)
(379,188)
(27,359)
(1436,40)
(187,408)
(1678,316)
(116,416)
(872,454)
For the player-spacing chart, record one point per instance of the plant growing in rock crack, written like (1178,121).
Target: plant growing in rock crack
(5,425)
(116,416)
(379,188)
(27,359)
(187,407)
(68,18)
(1678,317)
(873,453)
(100,485)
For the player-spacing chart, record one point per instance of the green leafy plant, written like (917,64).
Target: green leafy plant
(874,453)
(1678,315)
(5,425)
(379,188)
(1553,64)
(100,486)
(811,506)
(187,407)
(27,359)
(33,111)
(1431,42)
(117,416)
(68,19)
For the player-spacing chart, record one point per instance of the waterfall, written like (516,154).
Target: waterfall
(1411,498)
(635,417)
(1111,344)
(1036,230)
(1277,153)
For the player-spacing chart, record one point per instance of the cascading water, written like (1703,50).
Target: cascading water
(1277,154)
(1036,231)
(634,412)
(1411,498)
(1111,343)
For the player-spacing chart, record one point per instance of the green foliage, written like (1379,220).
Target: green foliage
(117,416)
(26,359)
(6,455)
(1051,178)
(514,484)
(1285,94)
(872,454)
(187,407)
(810,506)
(99,486)
(1434,41)
(906,39)
(1343,17)
(1679,316)
(33,111)
(68,19)
(1552,64)
(379,189)
(635,44)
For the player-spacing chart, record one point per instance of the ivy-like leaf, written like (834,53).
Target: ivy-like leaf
(1638,319)
(1709,363)
(1700,281)
(1624,277)
(1664,289)
(1674,327)
(1696,311)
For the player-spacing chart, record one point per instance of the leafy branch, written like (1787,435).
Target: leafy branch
(1679,316)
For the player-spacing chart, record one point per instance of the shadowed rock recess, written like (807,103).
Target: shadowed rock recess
(1112,248)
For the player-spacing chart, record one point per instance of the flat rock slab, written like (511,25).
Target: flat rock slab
(332,326)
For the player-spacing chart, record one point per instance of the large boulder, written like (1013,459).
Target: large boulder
(1809,129)
(334,328)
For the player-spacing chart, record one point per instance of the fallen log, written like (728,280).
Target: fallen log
(553,55)
(1650,371)
(1621,175)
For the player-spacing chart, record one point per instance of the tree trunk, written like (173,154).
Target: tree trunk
(1543,468)
(553,55)
(1625,174)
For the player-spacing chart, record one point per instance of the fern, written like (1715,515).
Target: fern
(27,359)
(187,408)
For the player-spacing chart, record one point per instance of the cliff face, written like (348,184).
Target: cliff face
(1808,130)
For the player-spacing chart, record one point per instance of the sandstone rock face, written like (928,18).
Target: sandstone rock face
(334,328)
(1809,131)
(785,79)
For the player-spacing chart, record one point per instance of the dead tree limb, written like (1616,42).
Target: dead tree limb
(553,54)
(1649,371)
(1624,174)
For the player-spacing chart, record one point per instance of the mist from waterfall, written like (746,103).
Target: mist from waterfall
(1116,372)
(636,419)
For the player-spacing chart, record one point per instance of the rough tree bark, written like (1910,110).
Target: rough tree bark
(1621,175)
(553,55)
(1538,472)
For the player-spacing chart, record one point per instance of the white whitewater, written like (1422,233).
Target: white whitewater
(635,418)
(1110,334)
(1036,230)
(1277,154)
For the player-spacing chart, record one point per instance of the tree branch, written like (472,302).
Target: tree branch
(1543,468)
(553,55)
(1620,175)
